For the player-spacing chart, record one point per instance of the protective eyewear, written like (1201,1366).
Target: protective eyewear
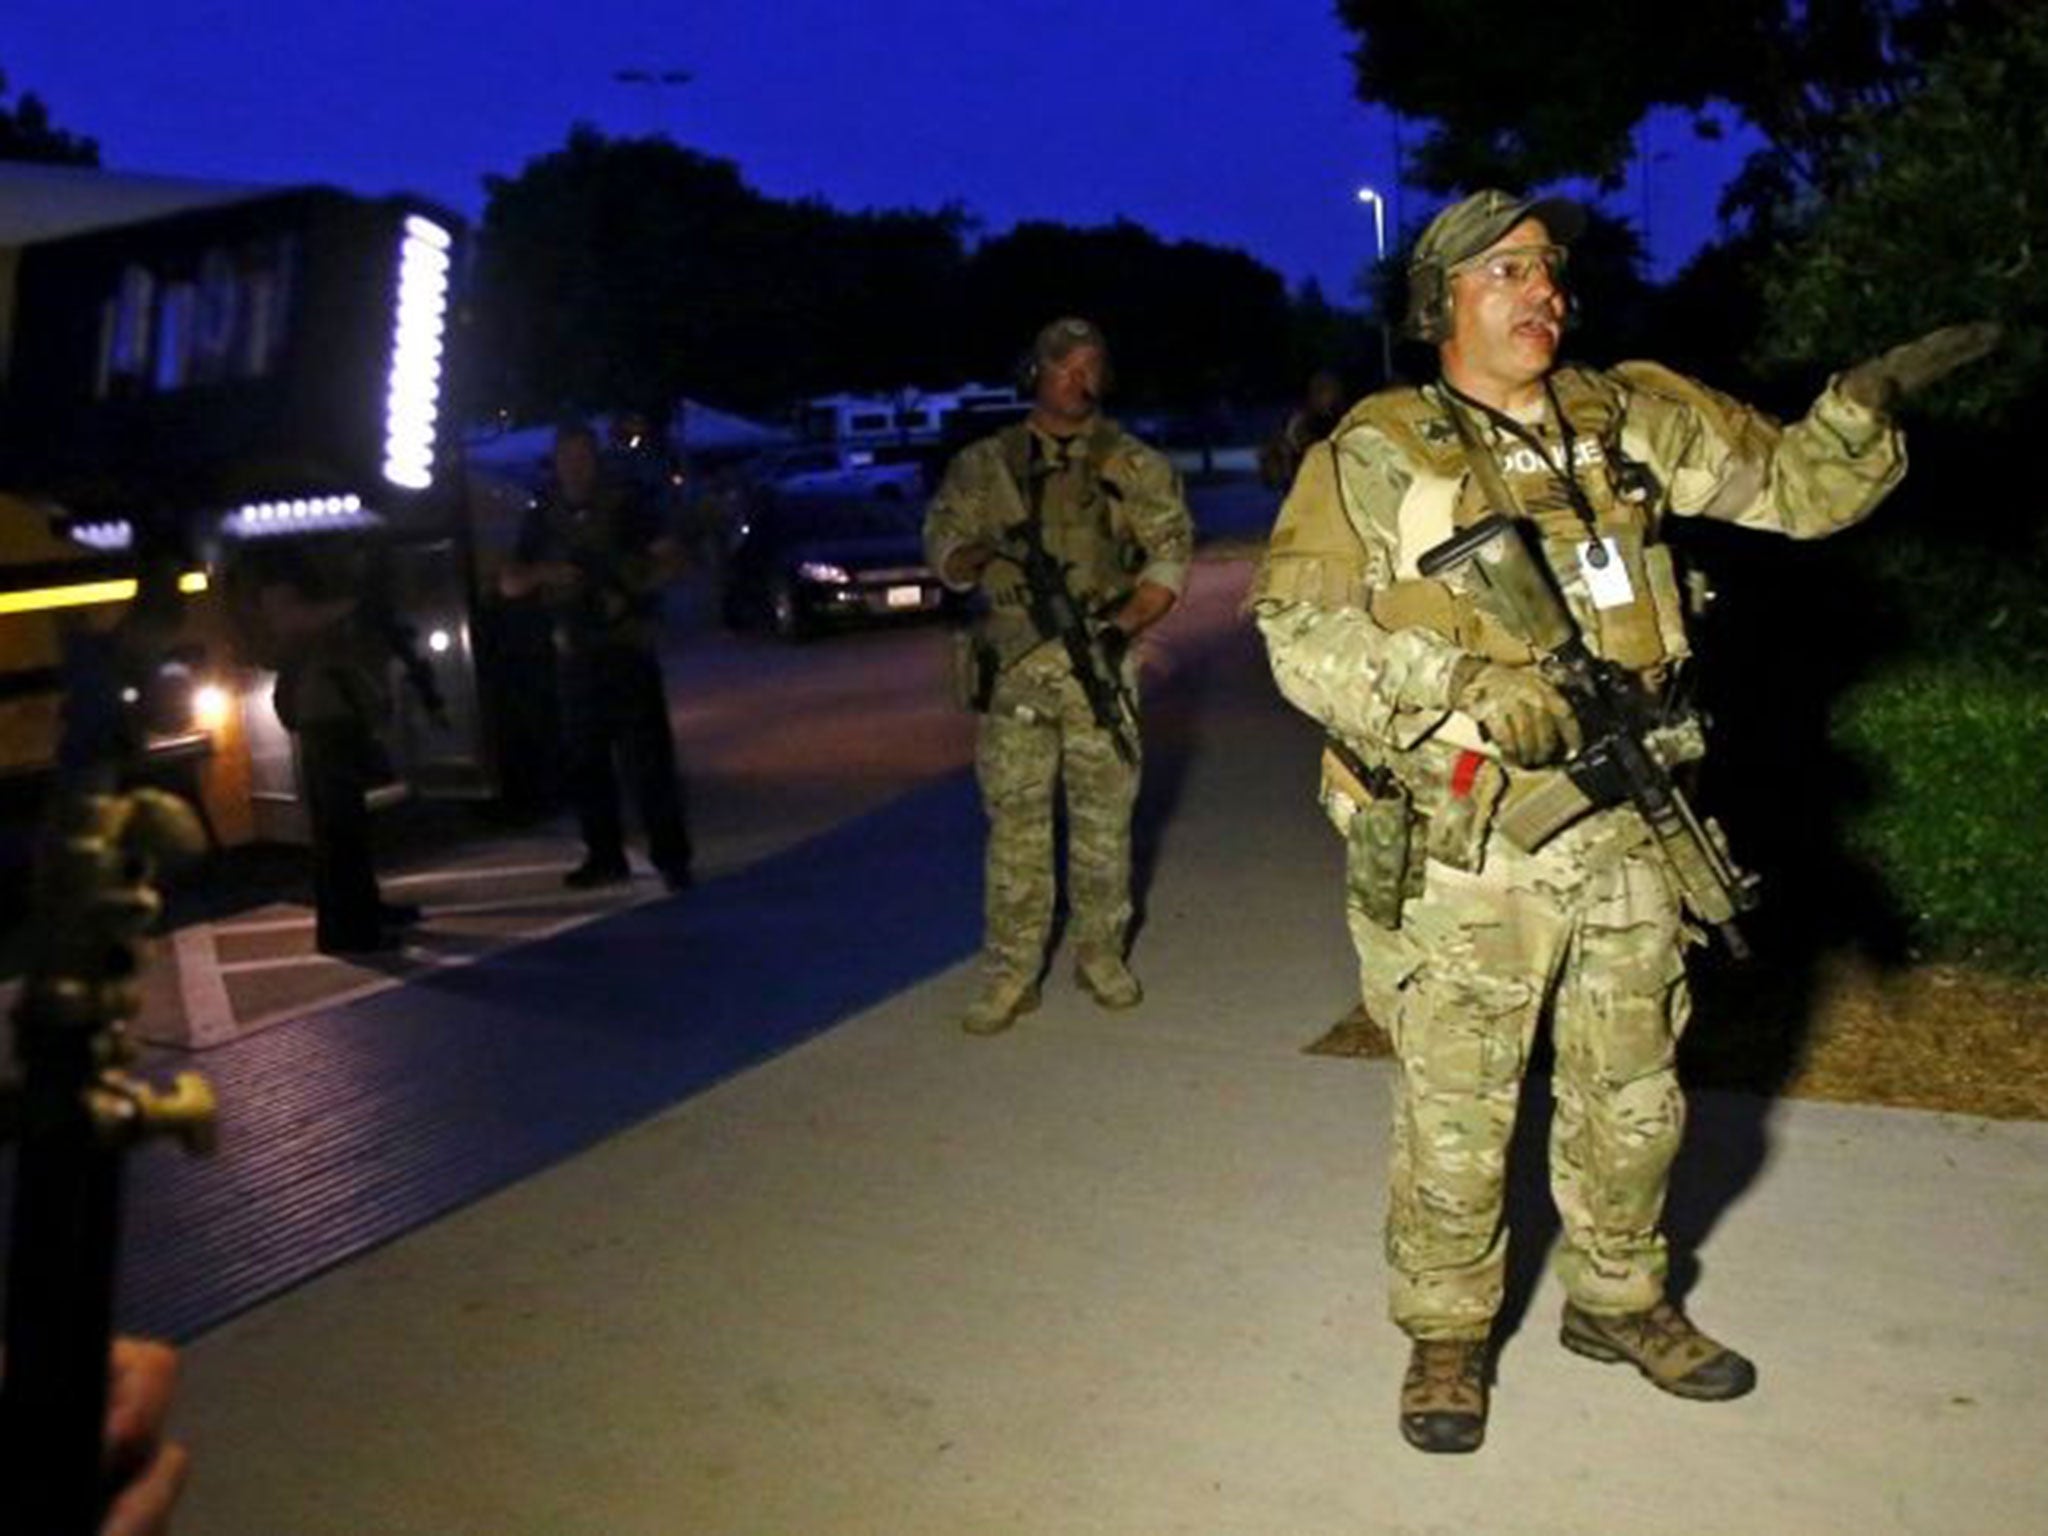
(1515,265)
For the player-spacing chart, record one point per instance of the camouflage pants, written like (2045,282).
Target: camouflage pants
(1590,928)
(1038,733)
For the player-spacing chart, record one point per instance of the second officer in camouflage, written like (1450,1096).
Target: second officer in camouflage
(1101,516)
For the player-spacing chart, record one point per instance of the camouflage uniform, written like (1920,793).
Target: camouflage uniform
(1588,921)
(1110,509)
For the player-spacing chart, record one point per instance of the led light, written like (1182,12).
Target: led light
(130,694)
(412,401)
(211,707)
(259,518)
(823,572)
(427,232)
(86,594)
(110,536)
(439,641)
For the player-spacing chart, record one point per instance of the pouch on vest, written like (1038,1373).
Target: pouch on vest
(1461,818)
(1382,865)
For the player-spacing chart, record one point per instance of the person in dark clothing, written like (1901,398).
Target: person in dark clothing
(332,694)
(596,551)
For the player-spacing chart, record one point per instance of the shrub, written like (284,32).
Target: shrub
(1957,749)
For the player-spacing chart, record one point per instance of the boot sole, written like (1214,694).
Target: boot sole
(1028,1005)
(1114,1004)
(1461,1447)
(1608,1354)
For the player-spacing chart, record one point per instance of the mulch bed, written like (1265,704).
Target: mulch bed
(1846,1029)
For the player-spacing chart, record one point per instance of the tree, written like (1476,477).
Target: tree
(622,272)
(1943,220)
(1190,323)
(26,133)
(632,271)
(1522,98)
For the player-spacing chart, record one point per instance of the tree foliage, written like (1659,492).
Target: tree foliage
(1189,323)
(26,133)
(631,271)
(1945,218)
(1517,97)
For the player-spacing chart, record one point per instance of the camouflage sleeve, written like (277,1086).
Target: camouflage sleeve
(1332,548)
(957,515)
(1156,512)
(1723,459)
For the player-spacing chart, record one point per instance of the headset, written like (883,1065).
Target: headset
(1428,316)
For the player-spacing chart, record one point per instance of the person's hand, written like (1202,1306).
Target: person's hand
(1520,712)
(1884,381)
(145,1471)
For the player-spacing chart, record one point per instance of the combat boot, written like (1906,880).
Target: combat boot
(1105,977)
(1004,999)
(1443,1396)
(1663,1344)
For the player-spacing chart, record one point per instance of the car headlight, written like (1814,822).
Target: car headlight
(823,572)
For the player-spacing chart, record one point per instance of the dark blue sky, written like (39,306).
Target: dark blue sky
(1230,121)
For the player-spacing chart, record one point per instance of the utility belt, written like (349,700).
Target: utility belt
(1398,809)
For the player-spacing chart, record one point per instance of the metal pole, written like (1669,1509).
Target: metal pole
(1378,204)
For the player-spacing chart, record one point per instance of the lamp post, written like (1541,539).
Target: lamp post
(1371,197)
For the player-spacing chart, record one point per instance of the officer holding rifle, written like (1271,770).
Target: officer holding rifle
(1075,539)
(1469,590)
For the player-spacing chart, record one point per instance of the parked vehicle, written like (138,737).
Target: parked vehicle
(801,562)
(838,469)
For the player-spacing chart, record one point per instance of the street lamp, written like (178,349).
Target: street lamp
(1371,197)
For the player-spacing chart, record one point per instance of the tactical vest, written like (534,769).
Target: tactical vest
(1317,556)
(1084,524)
(1645,633)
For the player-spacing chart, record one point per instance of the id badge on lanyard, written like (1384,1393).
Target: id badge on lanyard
(1605,573)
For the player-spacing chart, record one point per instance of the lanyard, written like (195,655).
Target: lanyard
(1487,472)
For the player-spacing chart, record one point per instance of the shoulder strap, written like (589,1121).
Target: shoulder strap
(1498,494)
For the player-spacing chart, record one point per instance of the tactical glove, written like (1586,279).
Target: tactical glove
(1520,712)
(1882,382)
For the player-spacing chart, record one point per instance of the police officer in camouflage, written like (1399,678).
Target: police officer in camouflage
(1107,510)
(1472,918)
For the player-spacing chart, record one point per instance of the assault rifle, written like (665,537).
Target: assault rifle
(1057,615)
(1631,744)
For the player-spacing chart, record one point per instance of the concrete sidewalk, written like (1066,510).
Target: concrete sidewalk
(1121,1274)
